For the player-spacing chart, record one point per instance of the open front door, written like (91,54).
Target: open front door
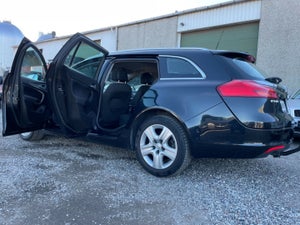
(25,105)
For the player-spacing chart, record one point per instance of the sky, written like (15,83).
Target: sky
(69,17)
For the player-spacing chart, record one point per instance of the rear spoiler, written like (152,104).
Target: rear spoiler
(230,54)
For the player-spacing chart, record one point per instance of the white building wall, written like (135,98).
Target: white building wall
(278,43)
(51,47)
(148,34)
(107,36)
(225,14)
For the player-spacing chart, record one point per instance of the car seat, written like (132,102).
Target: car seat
(115,100)
(146,81)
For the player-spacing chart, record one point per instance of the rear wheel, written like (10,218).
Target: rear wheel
(32,135)
(162,146)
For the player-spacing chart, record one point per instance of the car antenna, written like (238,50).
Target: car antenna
(220,38)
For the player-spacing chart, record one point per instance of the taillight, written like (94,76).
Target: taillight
(275,148)
(246,88)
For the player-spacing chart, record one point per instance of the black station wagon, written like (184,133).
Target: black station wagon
(168,105)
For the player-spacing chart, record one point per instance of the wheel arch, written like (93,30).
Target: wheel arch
(147,113)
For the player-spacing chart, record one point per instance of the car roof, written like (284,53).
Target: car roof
(176,51)
(157,51)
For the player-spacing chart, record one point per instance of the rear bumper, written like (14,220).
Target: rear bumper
(218,133)
(293,148)
(243,143)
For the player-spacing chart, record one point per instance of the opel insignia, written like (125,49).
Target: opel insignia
(168,105)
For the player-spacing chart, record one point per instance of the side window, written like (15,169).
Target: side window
(85,59)
(134,70)
(32,66)
(178,67)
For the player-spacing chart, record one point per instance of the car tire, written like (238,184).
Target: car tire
(162,146)
(32,135)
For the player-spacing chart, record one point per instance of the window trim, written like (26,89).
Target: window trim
(74,53)
(122,60)
(203,75)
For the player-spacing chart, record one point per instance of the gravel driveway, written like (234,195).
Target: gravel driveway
(62,181)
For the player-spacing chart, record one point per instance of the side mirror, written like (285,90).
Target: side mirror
(1,80)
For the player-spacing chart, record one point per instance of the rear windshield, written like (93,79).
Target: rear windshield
(242,69)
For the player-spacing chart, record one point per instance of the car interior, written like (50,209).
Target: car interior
(124,87)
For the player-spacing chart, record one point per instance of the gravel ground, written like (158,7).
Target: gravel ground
(63,181)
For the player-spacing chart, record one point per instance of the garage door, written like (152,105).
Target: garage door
(242,37)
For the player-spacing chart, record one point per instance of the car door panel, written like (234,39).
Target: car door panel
(76,100)
(34,95)
(73,86)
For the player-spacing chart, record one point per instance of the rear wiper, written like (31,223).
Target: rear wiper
(274,80)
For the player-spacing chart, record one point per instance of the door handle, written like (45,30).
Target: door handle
(93,86)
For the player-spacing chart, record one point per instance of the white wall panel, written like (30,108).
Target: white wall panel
(223,15)
(107,37)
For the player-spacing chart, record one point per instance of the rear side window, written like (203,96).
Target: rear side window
(179,68)
(242,69)
(249,68)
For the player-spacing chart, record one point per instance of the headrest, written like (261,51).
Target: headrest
(120,75)
(147,78)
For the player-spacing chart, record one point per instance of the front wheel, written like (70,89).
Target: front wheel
(162,146)
(32,135)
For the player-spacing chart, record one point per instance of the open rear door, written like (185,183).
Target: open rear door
(73,84)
